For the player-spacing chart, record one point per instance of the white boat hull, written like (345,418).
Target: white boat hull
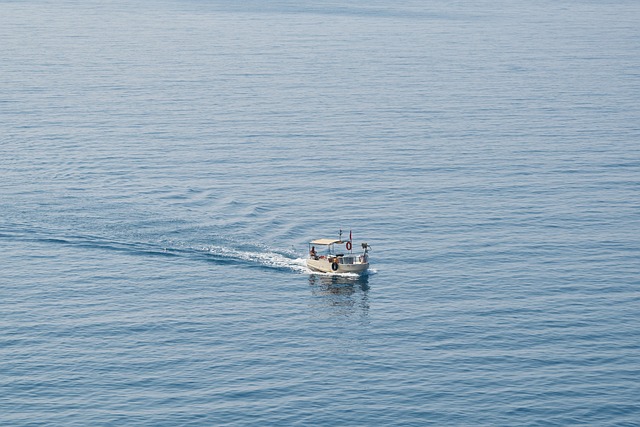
(324,266)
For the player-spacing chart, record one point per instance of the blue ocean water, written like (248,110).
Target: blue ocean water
(164,163)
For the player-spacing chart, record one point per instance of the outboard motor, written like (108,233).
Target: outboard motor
(365,257)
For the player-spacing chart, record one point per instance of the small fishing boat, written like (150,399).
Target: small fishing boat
(331,260)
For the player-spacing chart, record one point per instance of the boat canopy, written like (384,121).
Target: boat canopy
(325,242)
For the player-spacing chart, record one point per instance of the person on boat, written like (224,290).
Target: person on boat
(312,253)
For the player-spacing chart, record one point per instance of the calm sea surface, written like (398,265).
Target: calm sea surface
(163,165)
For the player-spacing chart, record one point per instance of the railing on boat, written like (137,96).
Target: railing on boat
(349,259)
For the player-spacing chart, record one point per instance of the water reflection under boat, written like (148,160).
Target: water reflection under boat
(340,283)
(347,294)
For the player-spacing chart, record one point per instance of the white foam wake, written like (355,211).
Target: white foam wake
(265,258)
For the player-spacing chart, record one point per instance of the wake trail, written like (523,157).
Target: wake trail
(265,258)
(252,254)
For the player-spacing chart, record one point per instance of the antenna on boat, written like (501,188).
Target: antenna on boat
(341,234)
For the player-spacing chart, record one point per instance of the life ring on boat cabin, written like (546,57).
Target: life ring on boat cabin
(348,246)
(334,266)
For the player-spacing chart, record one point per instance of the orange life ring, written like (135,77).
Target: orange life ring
(348,246)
